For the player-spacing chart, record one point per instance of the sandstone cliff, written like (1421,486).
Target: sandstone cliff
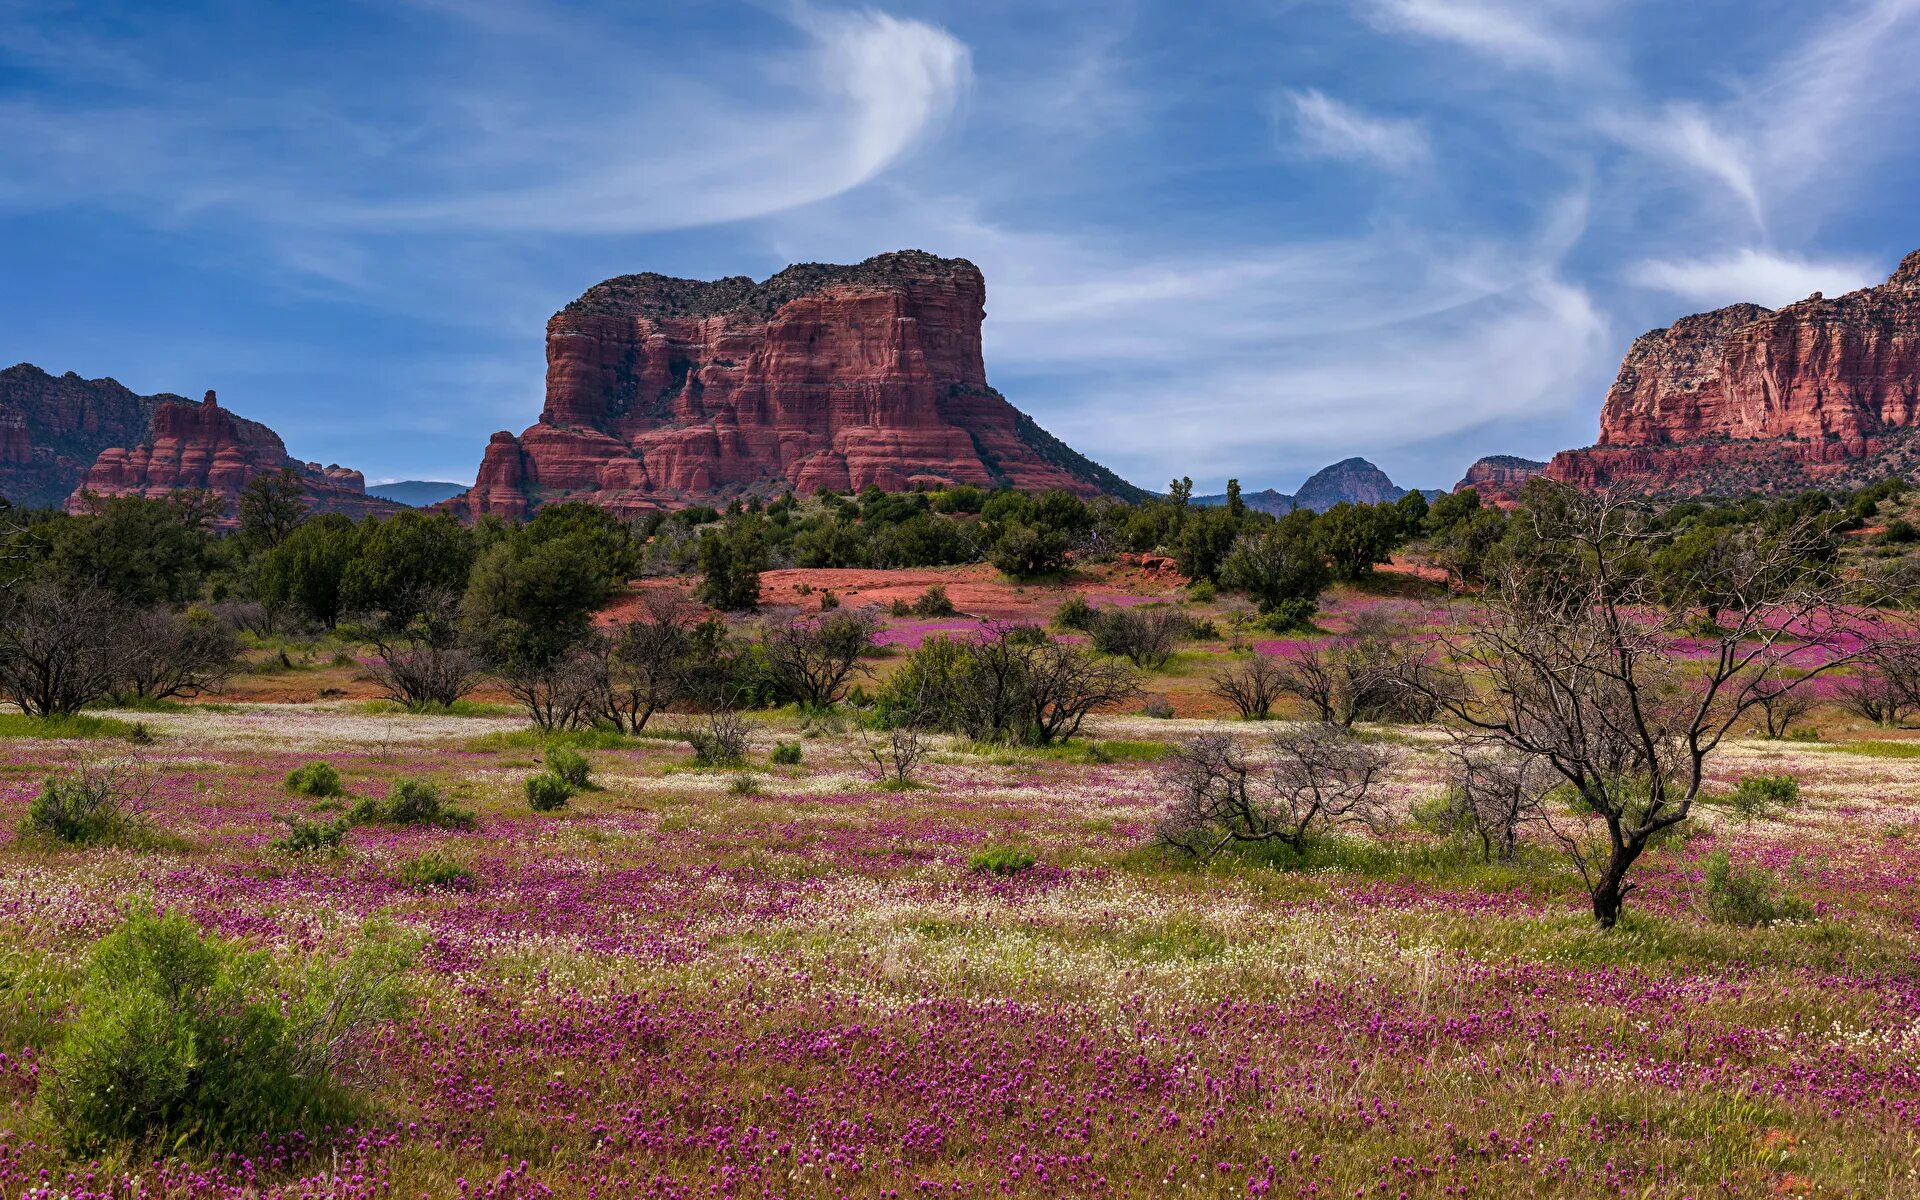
(53,427)
(662,392)
(1498,477)
(1826,391)
(203,446)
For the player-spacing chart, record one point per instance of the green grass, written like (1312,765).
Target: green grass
(531,738)
(79,725)
(1876,749)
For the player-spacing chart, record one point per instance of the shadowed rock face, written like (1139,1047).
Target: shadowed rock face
(663,392)
(53,427)
(187,446)
(1746,397)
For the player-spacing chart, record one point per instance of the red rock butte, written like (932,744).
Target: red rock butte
(664,392)
(205,447)
(1826,391)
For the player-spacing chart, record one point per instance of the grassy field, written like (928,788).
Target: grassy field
(684,984)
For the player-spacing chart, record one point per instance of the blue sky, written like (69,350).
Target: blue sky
(1219,238)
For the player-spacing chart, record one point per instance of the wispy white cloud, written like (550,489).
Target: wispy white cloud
(1753,276)
(1683,135)
(1320,125)
(1513,34)
(660,151)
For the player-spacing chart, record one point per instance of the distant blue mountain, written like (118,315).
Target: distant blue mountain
(416,493)
(1353,480)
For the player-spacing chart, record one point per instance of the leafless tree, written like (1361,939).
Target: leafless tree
(1251,686)
(1885,685)
(1061,684)
(1145,637)
(1780,708)
(564,692)
(1493,793)
(1569,659)
(57,648)
(814,658)
(720,737)
(894,736)
(1317,777)
(647,662)
(425,662)
(1365,674)
(163,654)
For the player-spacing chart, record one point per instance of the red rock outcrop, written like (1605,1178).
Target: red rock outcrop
(1747,398)
(53,427)
(205,447)
(1498,478)
(663,392)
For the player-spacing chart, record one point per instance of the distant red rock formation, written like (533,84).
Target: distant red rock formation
(53,427)
(1747,398)
(663,392)
(203,446)
(1498,478)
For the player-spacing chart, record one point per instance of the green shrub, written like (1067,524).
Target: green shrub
(1757,795)
(571,766)
(1290,616)
(305,837)
(1074,613)
(743,784)
(412,802)
(932,603)
(548,792)
(1805,733)
(785,754)
(85,807)
(1200,591)
(1746,895)
(181,1038)
(315,779)
(1001,860)
(434,870)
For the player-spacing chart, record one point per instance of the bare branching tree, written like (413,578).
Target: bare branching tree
(1315,777)
(163,654)
(648,661)
(1252,686)
(1365,674)
(1493,793)
(893,737)
(424,661)
(566,692)
(1885,685)
(57,648)
(1779,707)
(1571,659)
(1062,684)
(1145,637)
(815,658)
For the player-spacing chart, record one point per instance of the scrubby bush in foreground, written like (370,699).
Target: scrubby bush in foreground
(317,779)
(412,802)
(93,804)
(181,1038)
(571,766)
(1000,860)
(548,792)
(434,870)
(1746,895)
(305,837)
